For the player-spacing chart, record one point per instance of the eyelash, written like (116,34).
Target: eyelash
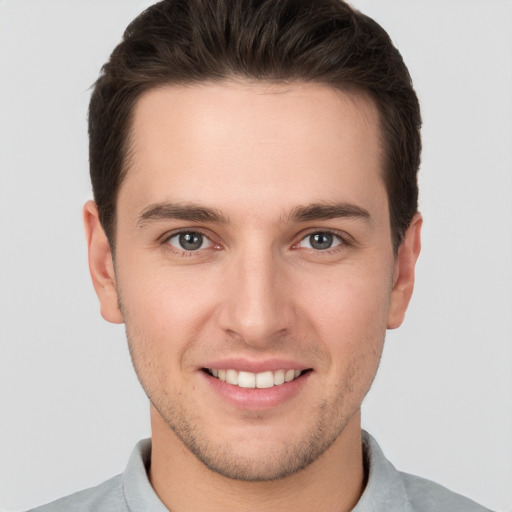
(343,237)
(183,252)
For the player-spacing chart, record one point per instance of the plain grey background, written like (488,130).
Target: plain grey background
(441,406)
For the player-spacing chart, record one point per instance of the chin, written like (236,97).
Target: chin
(258,454)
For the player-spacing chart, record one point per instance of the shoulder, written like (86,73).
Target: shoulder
(427,496)
(108,496)
(129,491)
(390,489)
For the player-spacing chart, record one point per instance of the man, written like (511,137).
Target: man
(255,228)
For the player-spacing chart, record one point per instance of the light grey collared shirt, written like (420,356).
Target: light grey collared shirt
(387,489)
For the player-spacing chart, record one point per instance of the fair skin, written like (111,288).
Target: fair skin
(253,236)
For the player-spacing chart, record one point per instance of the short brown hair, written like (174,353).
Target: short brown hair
(192,41)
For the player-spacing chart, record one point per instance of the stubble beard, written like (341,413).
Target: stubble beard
(224,458)
(332,415)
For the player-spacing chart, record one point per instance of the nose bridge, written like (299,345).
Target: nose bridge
(255,306)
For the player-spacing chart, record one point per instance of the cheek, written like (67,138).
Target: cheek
(162,306)
(349,303)
(349,316)
(161,325)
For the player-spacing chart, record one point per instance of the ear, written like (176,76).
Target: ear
(403,277)
(101,265)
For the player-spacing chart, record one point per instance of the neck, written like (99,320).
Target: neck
(333,482)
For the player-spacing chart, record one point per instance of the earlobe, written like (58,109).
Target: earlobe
(403,279)
(101,265)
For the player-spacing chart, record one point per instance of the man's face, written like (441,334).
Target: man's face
(253,243)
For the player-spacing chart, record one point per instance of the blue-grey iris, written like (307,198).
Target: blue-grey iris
(321,241)
(191,241)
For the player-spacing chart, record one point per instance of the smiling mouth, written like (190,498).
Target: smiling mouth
(261,380)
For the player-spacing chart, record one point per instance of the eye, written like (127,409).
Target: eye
(320,241)
(189,241)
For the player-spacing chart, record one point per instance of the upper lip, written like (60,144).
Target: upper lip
(253,366)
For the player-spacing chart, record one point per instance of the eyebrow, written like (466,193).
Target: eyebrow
(195,213)
(180,211)
(327,211)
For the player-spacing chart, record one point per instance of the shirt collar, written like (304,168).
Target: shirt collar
(138,492)
(385,489)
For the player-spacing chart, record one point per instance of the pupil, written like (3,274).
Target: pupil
(321,240)
(191,241)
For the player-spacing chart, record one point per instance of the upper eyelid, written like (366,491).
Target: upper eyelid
(335,232)
(344,236)
(164,240)
(343,242)
(174,232)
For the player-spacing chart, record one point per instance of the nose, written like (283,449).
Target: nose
(257,306)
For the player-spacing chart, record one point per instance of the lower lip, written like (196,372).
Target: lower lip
(257,398)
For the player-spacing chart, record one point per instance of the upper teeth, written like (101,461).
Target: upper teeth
(255,380)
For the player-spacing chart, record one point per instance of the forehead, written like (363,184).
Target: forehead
(287,143)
